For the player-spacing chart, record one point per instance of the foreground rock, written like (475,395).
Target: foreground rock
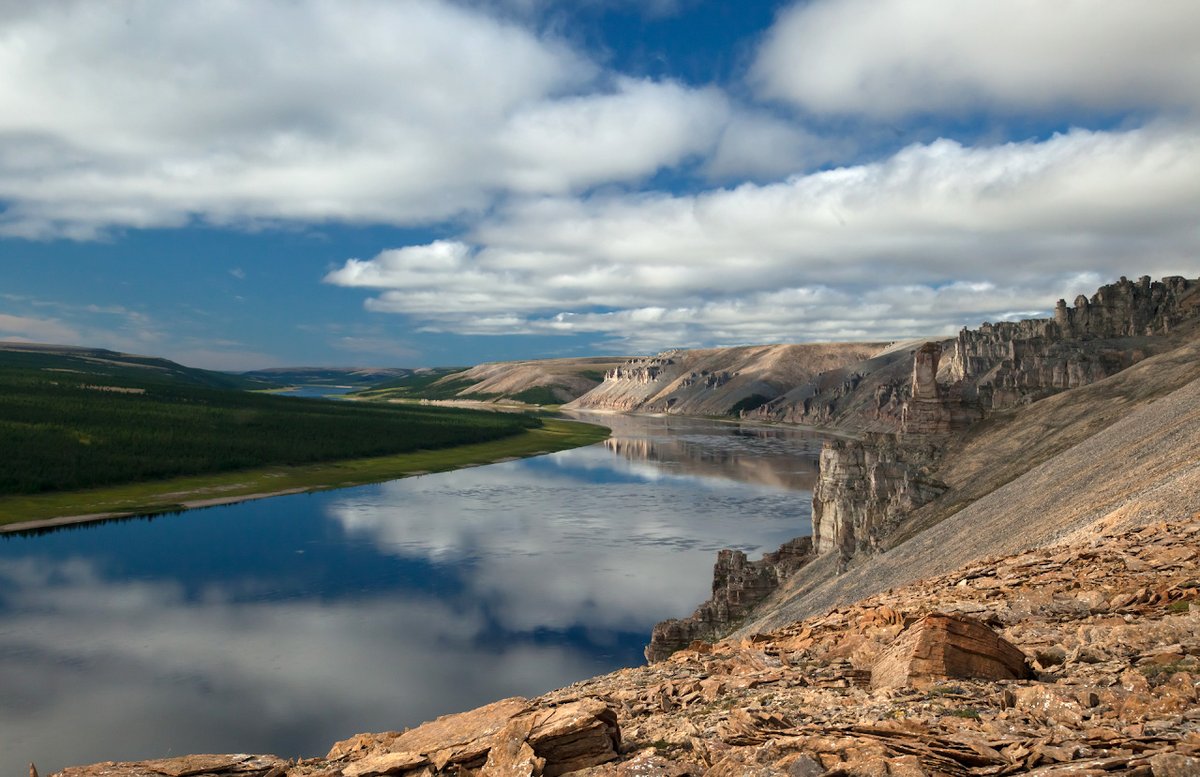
(1109,625)
(941,646)
(508,737)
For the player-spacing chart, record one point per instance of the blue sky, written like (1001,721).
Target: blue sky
(429,182)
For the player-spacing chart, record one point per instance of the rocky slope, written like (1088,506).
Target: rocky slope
(1079,658)
(718,381)
(966,474)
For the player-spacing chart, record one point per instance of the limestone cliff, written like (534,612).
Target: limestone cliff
(1003,364)
(718,381)
(864,486)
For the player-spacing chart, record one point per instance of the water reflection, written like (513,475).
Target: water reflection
(285,624)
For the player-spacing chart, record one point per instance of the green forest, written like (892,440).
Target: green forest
(65,429)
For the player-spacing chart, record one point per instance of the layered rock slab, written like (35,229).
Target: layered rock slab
(941,646)
(509,737)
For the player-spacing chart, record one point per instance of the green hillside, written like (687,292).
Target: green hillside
(81,419)
(96,363)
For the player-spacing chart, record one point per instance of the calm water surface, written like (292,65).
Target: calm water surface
(285,624)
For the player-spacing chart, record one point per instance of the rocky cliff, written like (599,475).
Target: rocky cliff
(738,585)
(874,491)
(1003,364)
(998,365)
(718,381)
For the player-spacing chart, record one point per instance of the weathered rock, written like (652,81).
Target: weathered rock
(1174,765)
(738,585)
(941,646)
(1010,362)
(717,381)
(505,739)
(185,766)
(926,411)
(864,486)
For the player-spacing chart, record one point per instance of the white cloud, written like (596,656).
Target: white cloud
(759,145)
(631,133)
(869,251)
(890,58)
(139,115)
(37,330)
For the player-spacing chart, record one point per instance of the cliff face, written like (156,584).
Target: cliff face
(1007,363)
(864,486)
(868,489)
(738,585)
(717,381)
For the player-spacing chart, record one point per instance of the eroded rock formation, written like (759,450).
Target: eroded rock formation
(927,410)
(941,646)
(717,381)
(1005,363)
(738,585)
(864,486)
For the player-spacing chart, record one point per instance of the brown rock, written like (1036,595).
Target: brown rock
(185,766)
(511,755)
(738,585)
(1174,765)
(576,735)
(505,738)
(941,645)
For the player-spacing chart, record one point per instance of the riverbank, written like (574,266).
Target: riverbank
(31,512)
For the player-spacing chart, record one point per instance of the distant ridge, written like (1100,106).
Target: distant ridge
(117,365)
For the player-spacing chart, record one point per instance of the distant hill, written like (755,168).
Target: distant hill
(720,381)
(534,381)
(115,365)
(355,377)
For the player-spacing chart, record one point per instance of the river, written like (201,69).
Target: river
(285,624)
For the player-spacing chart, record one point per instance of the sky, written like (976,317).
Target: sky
(411,183)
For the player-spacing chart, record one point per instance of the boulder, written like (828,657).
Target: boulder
(504,739)
(944,646)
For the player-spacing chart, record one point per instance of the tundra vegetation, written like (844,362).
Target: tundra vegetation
(68,431)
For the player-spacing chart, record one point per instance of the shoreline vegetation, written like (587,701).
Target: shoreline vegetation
(30,512)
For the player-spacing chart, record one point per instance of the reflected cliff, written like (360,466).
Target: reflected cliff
(766,455)
(285,624)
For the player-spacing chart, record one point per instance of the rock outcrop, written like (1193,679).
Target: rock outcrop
(864,487)
(941,646)
(738,585)
(926,410)
(508,737)
(1003,364)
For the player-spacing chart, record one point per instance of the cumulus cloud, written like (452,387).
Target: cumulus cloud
(890,58)
(934,237)
(134,115)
